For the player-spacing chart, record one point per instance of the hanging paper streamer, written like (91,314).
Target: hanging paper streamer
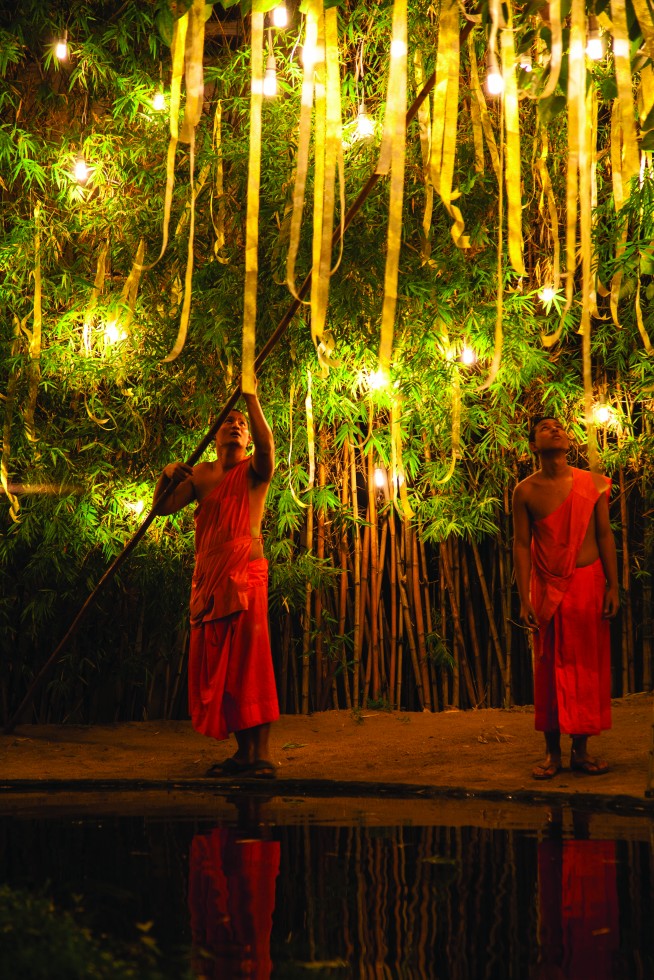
(311,434)
(556,52)
(645,22)
(248,382)
(9,404)
(618,201)
(446,110)
(131,287)
(194,73)
(424,123)
(188,278)
(98,286)
(295,497)
(34,335)
(218,191)
(392,156)
(512,169)
(480,102)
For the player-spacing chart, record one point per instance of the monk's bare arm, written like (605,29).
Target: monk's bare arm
(522,555)
(182,476)
(263,458)
(606,548)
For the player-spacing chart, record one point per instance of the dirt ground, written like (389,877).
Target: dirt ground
(485,753)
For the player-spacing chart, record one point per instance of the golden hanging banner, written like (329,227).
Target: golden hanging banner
(218,191)
(392,155)
(512,129)
(484,115)
(188,278)
(397,464)
(194,71)
(424,124)
(248,381)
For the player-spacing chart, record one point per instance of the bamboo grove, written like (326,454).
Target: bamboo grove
(519,234)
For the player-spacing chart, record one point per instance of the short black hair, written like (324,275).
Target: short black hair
(536,420)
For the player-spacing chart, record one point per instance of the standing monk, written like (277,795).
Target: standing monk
(231,681)
(566,573)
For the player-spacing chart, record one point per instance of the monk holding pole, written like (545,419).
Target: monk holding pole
(566,573)
(231,681)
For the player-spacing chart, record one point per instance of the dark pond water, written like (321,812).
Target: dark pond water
(240,897)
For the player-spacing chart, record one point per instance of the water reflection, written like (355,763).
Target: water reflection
(231,893)
(239,896)
(578,904)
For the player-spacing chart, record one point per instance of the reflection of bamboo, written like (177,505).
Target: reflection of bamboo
(357,575)
(505,561)
(628,680)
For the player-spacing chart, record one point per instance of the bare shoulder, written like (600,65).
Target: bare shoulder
(602,483)
(525,488)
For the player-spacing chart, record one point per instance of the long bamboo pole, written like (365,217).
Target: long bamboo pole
(268,347)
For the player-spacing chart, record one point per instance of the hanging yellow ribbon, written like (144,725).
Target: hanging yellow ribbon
(311,434)
(9,403)
(484,115)
(547,198)
(98,286)
(556,51)
(512,128)
(194,71)
(188,278)
(218,192)
(623,77)
(34,335)
(424,124)
(618,201)
(248,382)
(392,156)
(645,22)
(499,299)
(446,111)
(313,14)
(295,497)
(456,426)
(131,287)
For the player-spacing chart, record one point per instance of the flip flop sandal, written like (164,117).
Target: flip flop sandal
(229,767)
(589,767)
(546,771)
(263,769)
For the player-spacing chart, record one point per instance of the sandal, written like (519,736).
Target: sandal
(263,769)
(229,767)
(590,767)
(546,770)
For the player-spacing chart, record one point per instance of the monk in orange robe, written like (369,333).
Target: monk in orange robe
(566,573)
(231,679)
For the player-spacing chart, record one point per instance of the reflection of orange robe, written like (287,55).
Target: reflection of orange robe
(231,680)
(572,666)
(579,933)
(232,900)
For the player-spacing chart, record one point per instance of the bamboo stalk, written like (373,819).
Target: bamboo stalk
(627,659)
(342,610)
(458,632)
(429,622)
(408,626)
(373,652)
(357,577)
(420,621)
(472,628)
(394,681)
(492,625)
(320,555)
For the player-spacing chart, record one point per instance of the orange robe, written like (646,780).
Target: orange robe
(572,663)
(231,681)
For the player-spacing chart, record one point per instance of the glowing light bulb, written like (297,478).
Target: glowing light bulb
(494,78)
(270,78)
(603,414)
(159,101)
(380,477)
(377,380)
(61,50)
(547,294)
(280,16)
(135,506)
(620,47)
(525,61)
(113,334)
(365,124)
(468,355)
(81,171)
(398,49)
(594,43)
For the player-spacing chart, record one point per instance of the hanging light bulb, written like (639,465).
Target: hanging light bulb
(494,79)
(81,170)
(603,412)
(61,47)
(270,78)
(365,123)
(547,294)
(280,16)
(594,44)
(113,334)
(468,356)
(377,380)
(525,61)
(159,101)
(380,477)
